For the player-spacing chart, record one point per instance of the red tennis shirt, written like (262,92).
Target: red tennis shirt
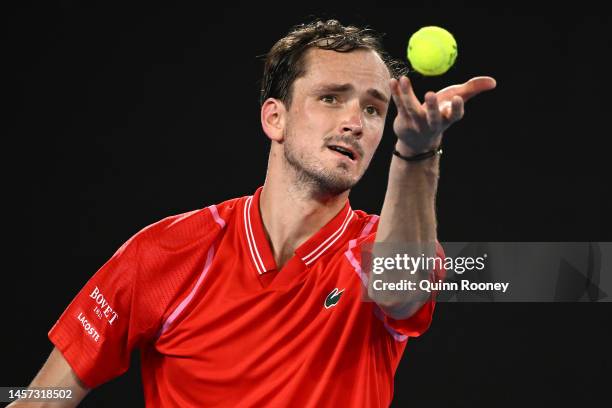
(219,325)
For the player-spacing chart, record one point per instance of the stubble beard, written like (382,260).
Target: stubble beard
(314,177)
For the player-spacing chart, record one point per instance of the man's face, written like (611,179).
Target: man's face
(336,118)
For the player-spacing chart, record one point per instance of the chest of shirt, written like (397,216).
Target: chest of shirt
(232,309)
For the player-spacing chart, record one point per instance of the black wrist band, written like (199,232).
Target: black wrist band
(420,156)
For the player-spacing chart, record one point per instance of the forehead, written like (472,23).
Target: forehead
(362,68)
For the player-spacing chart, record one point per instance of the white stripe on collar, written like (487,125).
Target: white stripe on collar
(259,265)
(333,238)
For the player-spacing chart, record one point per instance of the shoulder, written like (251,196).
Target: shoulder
(166,255)
(184,229)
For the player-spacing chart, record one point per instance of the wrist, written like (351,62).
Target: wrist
(429,155)
(406,150)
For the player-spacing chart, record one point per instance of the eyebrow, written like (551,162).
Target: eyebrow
(375,93)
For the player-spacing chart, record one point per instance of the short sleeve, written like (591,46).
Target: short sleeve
(102,325)
(122,307)
(420,321)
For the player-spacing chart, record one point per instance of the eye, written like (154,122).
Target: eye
(329,99)
(371,110)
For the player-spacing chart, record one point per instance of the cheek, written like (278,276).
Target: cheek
(315,116)
(370,147)
(374,141)
(376,125)
(309,120)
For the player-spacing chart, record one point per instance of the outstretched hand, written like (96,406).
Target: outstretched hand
(420,126)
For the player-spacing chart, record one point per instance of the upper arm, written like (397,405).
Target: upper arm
(57,373)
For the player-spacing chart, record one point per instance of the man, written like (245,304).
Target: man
(257,301)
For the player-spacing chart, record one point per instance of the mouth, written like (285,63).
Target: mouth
(346,151)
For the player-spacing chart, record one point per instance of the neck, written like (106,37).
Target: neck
(292,213)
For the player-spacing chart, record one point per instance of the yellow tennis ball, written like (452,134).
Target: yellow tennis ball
(432,50)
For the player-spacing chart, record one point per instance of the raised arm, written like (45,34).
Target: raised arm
(408,215)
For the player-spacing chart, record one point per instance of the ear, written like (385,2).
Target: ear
(273,117)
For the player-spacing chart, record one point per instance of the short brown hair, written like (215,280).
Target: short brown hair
(284,63)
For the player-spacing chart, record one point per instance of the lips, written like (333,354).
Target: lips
(345,150)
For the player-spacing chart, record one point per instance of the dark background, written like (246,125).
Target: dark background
(119,117)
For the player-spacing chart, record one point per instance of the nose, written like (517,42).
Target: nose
(352,122)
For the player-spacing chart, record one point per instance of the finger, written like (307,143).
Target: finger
(411,103)
(453,110)
(477,85)
(468,89)
(397,99)
(434,117)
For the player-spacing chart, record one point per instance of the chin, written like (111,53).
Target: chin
(335,182)
(325,179)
